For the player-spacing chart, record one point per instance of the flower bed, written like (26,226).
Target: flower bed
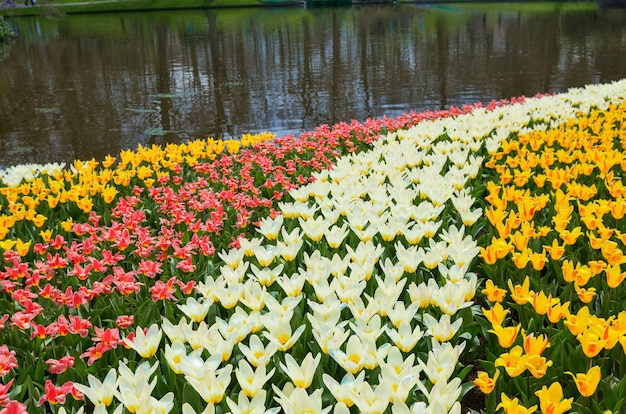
(336,271)
(554,252)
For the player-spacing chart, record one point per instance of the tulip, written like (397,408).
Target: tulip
(585,295)
(551,399)
(558,311)
(4,392)
(373,400)
(614,276)
(587,382)
(195,310)
(535,345)
(506,335)
(255,405)
(441,330)
(297,400)
(8,361)
(279,332)
(252,381)
(521,294)
(211,385)
(537,365)
(270,227)
(370,330)
(145,343)
(443,396)
(555,250)
(405,338)
(442,361)
(513,362)
(345,392)
(496,314)
(485,383)
(513,406)
(301,374)
(493,292)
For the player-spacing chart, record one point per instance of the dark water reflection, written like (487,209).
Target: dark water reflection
(84,86)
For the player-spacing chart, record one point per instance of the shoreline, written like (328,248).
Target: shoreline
(48,8)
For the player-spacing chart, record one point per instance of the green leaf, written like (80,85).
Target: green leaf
(622,389)
(464,372)
(191,396)
(466,387)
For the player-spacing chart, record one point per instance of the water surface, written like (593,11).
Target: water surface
(89,85)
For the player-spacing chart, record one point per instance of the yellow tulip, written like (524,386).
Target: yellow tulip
(108,194)
(514,362)
(579,322)
(585,295)
(67,225)
(591,343)
(39,220)
(538,260)
(558,311)
(521,259)
(588,382)
(21,247)
(541,302)
(46,235)
(493,292)
(486,383)
(611,253)
(521,294)
(537,365)
(551,399)
(7,244)
(108,161)
(570,237)
(506,335)
(496,314)
(614,276)
(535,345)
(555,250)
(568,270)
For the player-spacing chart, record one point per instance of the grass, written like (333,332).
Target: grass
(101,6)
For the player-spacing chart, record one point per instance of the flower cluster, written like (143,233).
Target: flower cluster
(333,272)
(554,257)
(363,276)
(92,252)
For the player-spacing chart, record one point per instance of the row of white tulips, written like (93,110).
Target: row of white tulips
(370,263)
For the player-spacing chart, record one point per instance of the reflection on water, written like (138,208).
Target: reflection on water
(84,86)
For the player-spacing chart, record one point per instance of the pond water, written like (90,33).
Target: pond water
(83,86)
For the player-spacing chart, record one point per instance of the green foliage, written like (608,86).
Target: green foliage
(6,33)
